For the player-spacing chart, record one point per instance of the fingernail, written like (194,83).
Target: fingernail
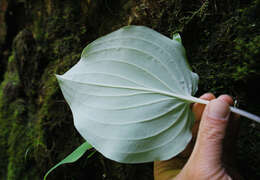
(218,109)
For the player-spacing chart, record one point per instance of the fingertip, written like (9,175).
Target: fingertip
(198,108)
(218,109)
(226,98)
(208,96)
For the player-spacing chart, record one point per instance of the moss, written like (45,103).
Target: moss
(8,88)
(225,55)
(50,102)
(33,113)
(222,45)
(248,51)
(17,132)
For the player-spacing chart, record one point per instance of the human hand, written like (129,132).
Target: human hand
(205,161)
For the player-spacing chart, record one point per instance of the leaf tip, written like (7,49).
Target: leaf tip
(177,37)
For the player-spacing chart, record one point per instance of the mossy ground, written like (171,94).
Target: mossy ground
(222,41)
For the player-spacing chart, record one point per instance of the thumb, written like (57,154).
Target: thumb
(212,130)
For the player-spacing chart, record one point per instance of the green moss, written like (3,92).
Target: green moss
(17,132)
(248,51)
(225,54)
(36,123)
(7,88)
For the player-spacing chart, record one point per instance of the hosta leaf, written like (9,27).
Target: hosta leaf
(130,95)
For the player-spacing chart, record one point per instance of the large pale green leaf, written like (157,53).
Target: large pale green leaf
(130,95)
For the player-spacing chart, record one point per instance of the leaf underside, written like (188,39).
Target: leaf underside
(129,95)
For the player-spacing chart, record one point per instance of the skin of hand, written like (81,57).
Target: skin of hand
(211,157)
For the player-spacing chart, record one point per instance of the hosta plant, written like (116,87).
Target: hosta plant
(130,96)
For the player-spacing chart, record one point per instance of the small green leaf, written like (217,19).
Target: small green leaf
(177,37)
(74,156)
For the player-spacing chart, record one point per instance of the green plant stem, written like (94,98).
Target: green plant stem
(232,109)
